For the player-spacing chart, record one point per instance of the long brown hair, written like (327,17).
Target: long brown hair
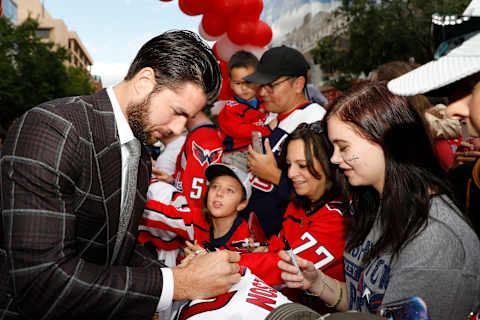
(317,146)
(412,172)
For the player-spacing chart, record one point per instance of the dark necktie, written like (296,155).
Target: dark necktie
(129,190)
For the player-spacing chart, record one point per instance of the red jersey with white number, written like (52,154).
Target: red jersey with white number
(249,299)
(237,121)
(202,147)
(161,224)
(317,236)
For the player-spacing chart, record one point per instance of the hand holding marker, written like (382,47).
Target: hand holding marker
(290,253)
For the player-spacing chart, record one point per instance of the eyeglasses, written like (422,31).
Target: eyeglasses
(270,86)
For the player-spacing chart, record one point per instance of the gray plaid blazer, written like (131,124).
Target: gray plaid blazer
(60,204)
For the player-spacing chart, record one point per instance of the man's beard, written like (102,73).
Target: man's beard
(137,115)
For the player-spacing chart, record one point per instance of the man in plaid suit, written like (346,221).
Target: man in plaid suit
(62,170)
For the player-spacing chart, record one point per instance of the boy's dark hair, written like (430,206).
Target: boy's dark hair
(242,59)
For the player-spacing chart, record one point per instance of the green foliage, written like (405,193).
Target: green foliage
(33,71)
(79,82)
(379,31)
(342,83)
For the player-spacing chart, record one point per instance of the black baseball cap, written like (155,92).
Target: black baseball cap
(277,62)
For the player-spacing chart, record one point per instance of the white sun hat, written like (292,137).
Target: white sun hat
(456,58)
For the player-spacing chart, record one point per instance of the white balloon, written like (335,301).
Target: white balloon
(205,35)
(257,51)
(226,48)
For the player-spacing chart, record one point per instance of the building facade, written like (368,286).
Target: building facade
(55,31)
(9,10)
(300,24)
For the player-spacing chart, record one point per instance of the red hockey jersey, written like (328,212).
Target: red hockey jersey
(318,237)
(237,121)
(161,224)
(202,147)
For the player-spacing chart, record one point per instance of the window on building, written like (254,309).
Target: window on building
(43,33)
(10,10)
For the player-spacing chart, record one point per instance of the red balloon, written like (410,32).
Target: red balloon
(214,24)
(166,0)
(193,7)
(225,8)
(251,9)
(263,34)
(240,31)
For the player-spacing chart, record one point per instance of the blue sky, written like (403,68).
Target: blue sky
(114,30)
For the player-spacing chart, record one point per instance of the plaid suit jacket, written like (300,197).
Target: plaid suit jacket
(60,201)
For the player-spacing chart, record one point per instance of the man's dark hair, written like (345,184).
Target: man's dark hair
(179,56)
(242,59)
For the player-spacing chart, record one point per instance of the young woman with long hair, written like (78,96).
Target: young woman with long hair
(406,236)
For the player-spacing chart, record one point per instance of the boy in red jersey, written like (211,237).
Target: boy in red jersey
(217,222)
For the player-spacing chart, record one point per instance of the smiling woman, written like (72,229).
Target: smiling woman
(314,222)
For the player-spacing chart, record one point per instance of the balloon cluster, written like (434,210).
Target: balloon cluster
(234,25)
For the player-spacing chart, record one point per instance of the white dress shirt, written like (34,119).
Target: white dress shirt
(125,135)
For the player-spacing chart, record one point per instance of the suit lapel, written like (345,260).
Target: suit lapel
(107,147)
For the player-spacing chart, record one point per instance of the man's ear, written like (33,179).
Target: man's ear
(144,82)
(299,84)
(242,205)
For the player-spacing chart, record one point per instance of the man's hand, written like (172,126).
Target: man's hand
(206,276)
(162,176)
(264,166)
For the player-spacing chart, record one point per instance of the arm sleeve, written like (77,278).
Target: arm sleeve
(162,221)
(433,267)
(269,203)
(233,125)
(320,242)
(42,160)
(167,293)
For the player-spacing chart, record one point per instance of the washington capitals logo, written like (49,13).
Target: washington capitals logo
(206,156)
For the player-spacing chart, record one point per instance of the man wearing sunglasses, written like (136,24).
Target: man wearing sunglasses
(282,76)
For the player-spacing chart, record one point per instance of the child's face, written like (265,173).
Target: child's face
(225,197)
(242,89)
